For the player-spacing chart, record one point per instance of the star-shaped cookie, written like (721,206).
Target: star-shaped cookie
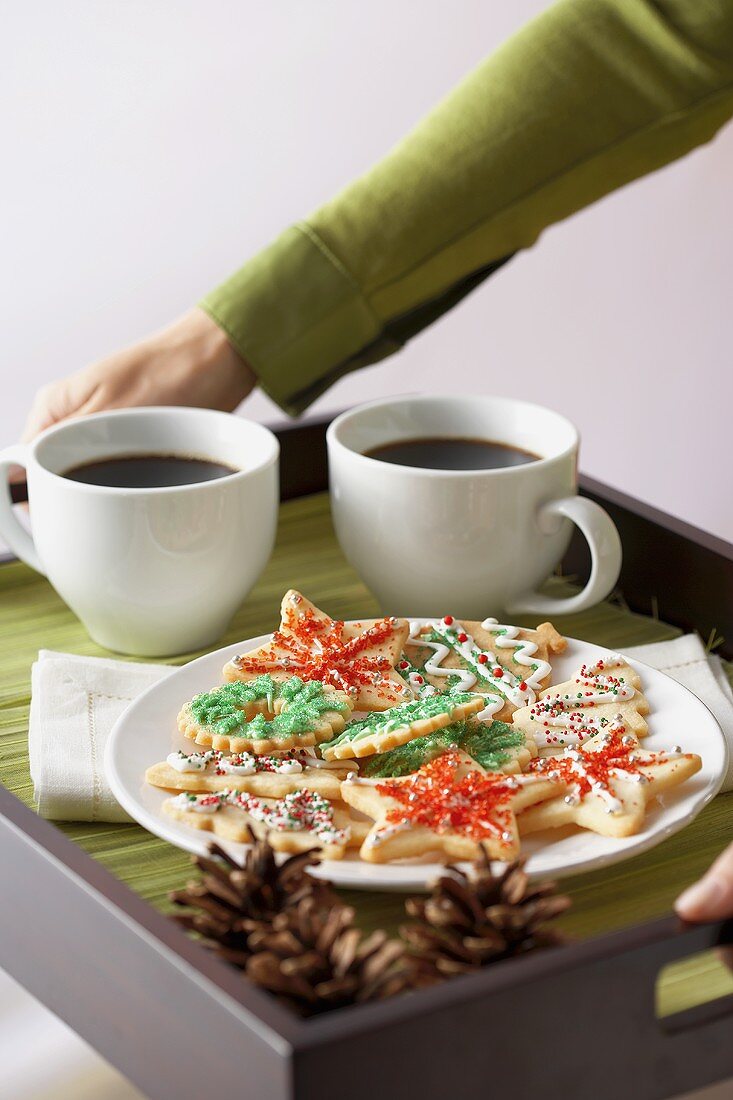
(571,712)
(508,665)
(449,806)
(357,658)
(609,781)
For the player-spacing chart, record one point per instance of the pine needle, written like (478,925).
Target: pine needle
(714,641)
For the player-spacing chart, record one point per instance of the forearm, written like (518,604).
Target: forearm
(584,99)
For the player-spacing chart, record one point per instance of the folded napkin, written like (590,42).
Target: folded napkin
(77,700)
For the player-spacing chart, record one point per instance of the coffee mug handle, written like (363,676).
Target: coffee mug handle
(18,539)
(605,548)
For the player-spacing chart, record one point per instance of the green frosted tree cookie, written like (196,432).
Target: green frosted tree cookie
(491,744)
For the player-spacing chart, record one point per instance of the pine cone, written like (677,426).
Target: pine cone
(469,921)
(316,959)
(232,901)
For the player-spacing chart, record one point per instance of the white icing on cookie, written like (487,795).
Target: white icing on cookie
(194,762)
(567,713)
(299,811)
(481,665)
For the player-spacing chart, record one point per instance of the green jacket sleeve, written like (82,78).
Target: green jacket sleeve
(587,97)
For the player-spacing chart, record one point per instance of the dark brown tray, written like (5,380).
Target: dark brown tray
(577,1022)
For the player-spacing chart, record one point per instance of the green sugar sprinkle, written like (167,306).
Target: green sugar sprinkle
(430,706)
(486,742)
(227,702)
(222,710)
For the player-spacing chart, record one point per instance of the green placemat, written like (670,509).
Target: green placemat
(308,557)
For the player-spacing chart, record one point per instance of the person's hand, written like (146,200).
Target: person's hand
(189,363)
(712,897)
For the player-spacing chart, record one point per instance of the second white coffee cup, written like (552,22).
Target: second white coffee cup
(470,542)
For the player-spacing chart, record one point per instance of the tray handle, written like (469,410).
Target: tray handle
(719,938)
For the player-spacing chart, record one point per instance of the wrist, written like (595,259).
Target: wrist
(213,357)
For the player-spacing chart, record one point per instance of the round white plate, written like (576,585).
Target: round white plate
(147,732)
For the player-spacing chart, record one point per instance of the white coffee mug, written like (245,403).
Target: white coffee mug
(470,542)
(155,571)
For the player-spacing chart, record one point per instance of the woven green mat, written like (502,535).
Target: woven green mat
(308,557)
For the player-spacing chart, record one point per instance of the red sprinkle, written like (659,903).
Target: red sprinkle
(596,766)
(317,649)
(462,637)
(482,659)
(476,805)
(448,620)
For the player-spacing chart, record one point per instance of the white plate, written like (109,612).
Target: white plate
(147,732)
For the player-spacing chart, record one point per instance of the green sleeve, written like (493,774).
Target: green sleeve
(587,97)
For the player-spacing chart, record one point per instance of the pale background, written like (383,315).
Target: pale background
(149,147)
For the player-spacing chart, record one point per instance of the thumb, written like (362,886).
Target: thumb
(40,416)
(56,402)
(712,897)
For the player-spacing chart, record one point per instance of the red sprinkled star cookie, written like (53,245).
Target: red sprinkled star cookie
(449,806)
(357,658)
(609,782)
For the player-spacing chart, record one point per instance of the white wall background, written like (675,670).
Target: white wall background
(149,147)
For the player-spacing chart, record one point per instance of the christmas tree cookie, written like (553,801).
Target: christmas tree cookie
(571,712)
(265,715)
(507,665)
(356,658)
(609,781)
(449,806)
(494,745)
(299,821)
(266,776)
(384,730)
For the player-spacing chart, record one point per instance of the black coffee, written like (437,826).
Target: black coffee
(442,453)
(148,471)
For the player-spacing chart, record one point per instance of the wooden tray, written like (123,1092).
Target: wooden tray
(577,1022)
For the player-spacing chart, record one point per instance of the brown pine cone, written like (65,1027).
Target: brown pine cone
(469,921)
(316,959)
(231,901)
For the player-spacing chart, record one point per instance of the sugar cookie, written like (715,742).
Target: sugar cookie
(507,665)
(450,806)
(494,745)
(357,658)
(299,821)
(383,730)
(571,712)
(609,781)
(292,714)
(266,776)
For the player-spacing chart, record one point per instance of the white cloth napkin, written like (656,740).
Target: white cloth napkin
(685,660)
(77,700)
